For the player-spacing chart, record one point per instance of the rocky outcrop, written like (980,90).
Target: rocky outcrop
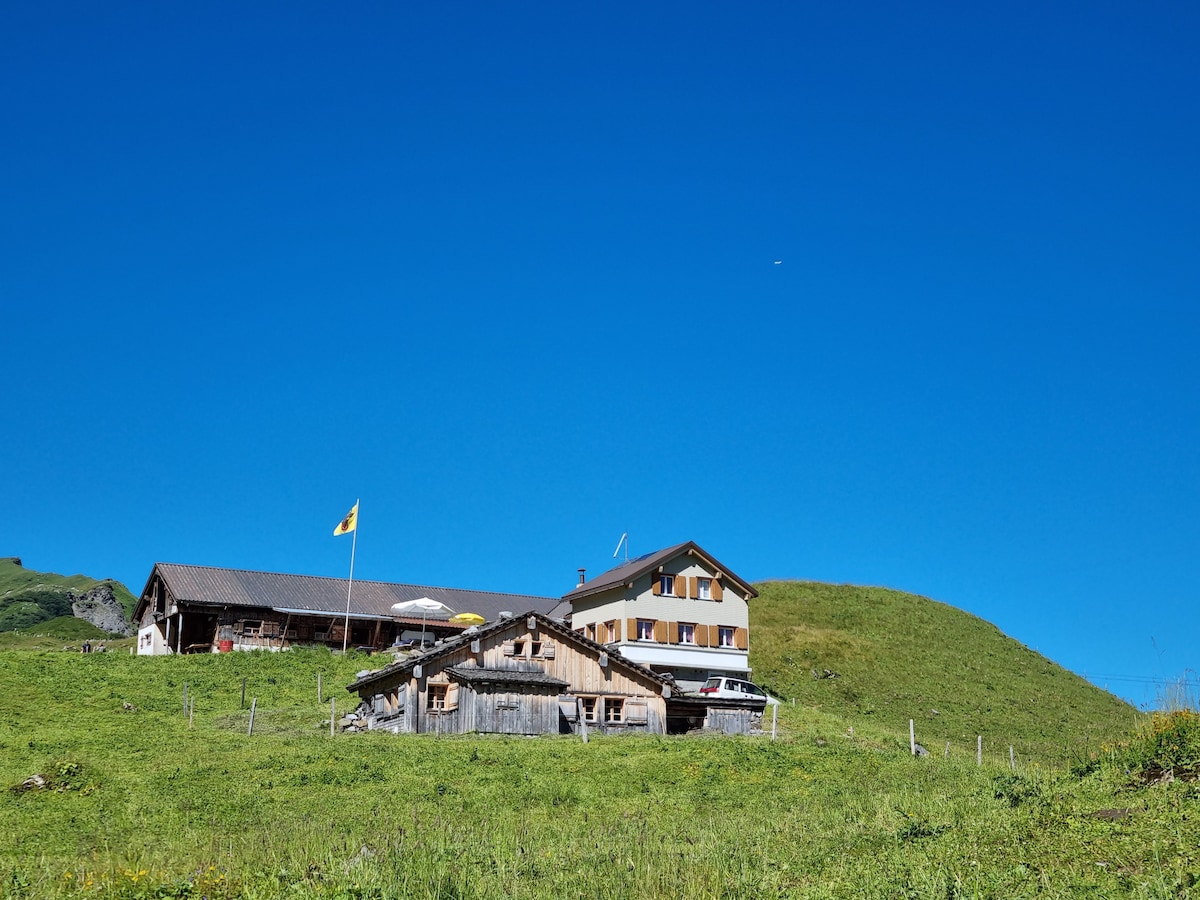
(101,607)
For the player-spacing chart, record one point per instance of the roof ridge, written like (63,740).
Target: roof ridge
(434,587)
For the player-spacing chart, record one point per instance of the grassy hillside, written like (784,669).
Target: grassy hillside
(28,598)
(873,654)
(137,801)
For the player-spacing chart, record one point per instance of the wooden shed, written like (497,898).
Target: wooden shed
(526,674)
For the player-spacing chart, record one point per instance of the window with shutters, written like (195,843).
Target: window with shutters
(535,648)
(590,633)
(518,648)
(645,630)
(610,632)
(704,588)
(666,585)
(687,633)
(724,637)
(437,696)
(614,710)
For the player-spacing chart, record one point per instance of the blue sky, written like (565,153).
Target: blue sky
(509,274)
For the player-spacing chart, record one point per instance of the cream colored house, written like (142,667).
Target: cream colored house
(677,611)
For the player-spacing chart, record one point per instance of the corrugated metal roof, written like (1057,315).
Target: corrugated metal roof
(476,674)
(212,586)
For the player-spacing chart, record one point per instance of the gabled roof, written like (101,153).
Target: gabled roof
(404,667)
(310,594)
(629,571)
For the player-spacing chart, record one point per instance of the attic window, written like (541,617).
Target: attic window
(666,586)
(704,588)
(535,648)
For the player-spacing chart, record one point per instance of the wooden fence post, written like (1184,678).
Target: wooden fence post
(979,750)
(1012,760)
(912,738)
(253,706)
(243,706)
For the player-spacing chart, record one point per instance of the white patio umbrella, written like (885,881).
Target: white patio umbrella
(425,605)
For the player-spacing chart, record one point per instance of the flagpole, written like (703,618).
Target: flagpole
(350,583)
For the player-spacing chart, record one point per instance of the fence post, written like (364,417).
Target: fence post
(332,713)
(1012,760)
(320,693)
(243,706)
(946,755)
(253,706)
(979,750)
(912,738)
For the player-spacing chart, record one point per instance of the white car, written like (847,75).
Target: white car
(734,689)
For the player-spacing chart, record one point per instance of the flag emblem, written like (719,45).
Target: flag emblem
(347,524)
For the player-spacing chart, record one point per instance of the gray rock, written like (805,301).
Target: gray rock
(101,607)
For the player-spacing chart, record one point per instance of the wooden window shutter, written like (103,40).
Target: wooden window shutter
(656,586)
(452,696)
(547,651)
(631,629)
(617,630)
(693,587)
(701,635)
(507,648)
(660,631)
(739,638)
(672,632)
(716,589)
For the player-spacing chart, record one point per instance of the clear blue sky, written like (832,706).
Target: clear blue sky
(508,273)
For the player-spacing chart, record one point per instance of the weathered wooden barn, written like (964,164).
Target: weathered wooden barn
(204,609)
(526,674)
(531,674)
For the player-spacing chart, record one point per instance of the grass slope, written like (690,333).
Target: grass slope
(896,656)
(29,598)
(137,804)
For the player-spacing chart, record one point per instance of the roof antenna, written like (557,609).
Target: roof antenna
(624,540)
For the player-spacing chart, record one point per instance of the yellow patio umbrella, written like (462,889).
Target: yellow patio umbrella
(468,619)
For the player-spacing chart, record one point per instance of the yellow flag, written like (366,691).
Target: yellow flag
(347,524)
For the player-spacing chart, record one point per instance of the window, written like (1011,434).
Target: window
(590,633)
(589,708)
(437,696)
(645,630)
(687,633)
(614,711)
(724,637)
(666,585)
(518,648)
(610,632)
(251,627)
(704,588)
(535,648)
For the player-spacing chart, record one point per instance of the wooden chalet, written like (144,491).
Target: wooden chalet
(531,674)
(203,609)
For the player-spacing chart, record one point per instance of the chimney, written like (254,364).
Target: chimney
(581,571)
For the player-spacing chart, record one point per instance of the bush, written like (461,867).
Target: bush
(1166,742)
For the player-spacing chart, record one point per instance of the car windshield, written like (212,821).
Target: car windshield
(713,683)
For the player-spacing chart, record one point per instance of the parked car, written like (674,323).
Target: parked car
(725,688)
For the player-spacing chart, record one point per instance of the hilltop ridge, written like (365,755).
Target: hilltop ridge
(30,598)
(890,656)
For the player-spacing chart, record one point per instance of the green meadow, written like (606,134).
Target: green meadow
(135,777)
